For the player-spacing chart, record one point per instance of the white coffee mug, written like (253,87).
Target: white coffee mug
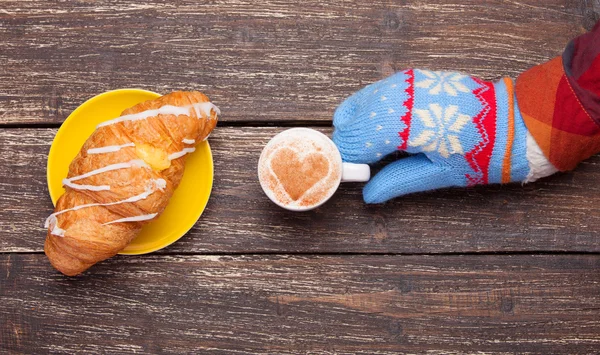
(347,172)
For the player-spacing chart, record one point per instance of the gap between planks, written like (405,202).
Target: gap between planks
(317,253)
(270,124)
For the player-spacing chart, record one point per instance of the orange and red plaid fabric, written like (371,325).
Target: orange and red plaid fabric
(560,102)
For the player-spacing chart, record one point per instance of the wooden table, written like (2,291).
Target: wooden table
(498,270)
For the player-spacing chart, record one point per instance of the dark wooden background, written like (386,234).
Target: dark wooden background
(494,270)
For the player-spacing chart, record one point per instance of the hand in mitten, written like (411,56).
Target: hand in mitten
(462,131)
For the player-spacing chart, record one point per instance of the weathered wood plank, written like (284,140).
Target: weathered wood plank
(267,61)
(317,305)
(590,10)
(561,213)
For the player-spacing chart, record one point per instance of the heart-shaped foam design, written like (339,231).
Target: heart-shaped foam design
(298,174)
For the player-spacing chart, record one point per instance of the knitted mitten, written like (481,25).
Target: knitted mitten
(462,131)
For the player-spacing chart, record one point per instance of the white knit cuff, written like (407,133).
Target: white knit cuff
(539,166)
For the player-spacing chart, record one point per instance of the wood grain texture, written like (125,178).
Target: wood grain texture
(290,63)
(560,213)
(262,62)
(317,305)
(590,10)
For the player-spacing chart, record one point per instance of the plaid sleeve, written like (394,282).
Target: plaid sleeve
(560,102)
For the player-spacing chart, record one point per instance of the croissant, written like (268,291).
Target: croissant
(123,177)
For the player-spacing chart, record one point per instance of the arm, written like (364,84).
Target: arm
(463,131)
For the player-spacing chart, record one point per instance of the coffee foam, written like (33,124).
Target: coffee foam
(299,169)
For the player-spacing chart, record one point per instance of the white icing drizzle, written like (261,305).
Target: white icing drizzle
(188,141)
(200,107)
(69,182)
(111,167)
(163,110)
(179,154)
(109,149)
(56,230)
(152,187)
(144,217)
(205,108)
(160,184)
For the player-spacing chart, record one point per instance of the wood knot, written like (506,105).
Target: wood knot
(590,17)
(590,13)
(391,21)
(405,286)
(245,35)
(396,330)
(386,68)
(379,227)
(506,305)
(278,308)
(53,104)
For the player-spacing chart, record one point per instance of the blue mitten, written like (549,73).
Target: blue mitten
(462,131)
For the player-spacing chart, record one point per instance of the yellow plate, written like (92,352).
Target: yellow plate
(188,201)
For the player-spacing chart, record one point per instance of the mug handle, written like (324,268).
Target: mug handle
(355,172)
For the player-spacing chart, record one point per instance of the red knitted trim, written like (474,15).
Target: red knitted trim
(485,121)
(410,90)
